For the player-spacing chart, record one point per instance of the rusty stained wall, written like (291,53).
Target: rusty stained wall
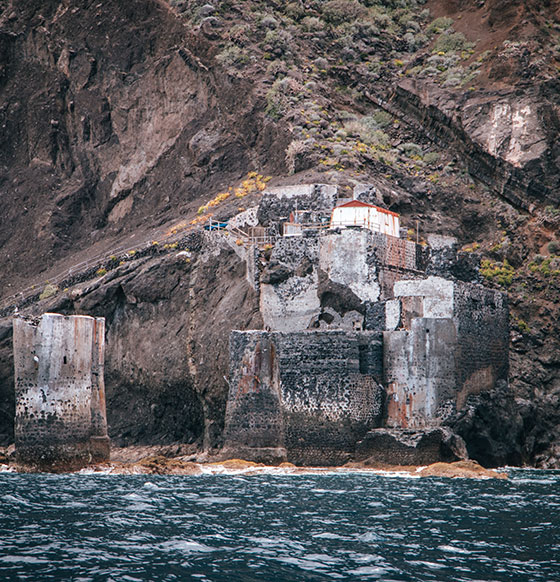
(60,393)
(451,340)
(312,395)
(254,423)
(420,369)
(393,251)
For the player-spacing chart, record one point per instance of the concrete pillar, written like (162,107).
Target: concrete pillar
(60,393)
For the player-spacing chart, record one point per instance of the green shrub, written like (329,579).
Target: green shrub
(268,21)
(312,24)
(552,211)
(49,291)
(380,138)
(500,273)
(439,25)
(411,149)
(233,56)
(338,11)
(382,118)
(547,266)
(455,41)
(554,247)
(277,98)
(431,158)
(295,10)
(521,325)
(277,42)
(367,130)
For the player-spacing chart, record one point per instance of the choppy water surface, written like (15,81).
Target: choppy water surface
(279,527)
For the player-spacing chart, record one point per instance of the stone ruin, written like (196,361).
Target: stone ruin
(60,393)
(370,343)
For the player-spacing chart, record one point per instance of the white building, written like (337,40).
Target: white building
(356,213)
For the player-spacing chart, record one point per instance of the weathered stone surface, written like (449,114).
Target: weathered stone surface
(461,470)
(409,447)
(288,291)
(434,359)
(342,270)
(277,203)
(60,392)
(503,138)
(311,393)
(493,424)
(419,367)
(344,257)
(254,423)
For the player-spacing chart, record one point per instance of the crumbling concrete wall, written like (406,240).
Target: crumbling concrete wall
(419,368)
(327,279)
(314,394)
(347,257)
(383,310)
(254,422)
(445,340)
(60,393)
(288,290)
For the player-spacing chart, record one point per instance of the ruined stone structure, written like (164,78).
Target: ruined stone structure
(305,397)
(372,342)
(451,340)
(60,393)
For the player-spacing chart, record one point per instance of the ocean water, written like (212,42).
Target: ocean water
(278,527)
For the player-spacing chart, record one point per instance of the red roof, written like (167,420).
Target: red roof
(359,204)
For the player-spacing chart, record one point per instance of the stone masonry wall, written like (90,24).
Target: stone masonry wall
(482,319)
(277,203)
(60,394)
(328,394)
(254,423)
(393,251)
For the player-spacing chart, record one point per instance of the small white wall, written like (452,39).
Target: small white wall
(436,293)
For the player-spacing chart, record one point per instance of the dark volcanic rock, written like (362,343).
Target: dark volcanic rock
(167,324)
(492,426)
(408,447)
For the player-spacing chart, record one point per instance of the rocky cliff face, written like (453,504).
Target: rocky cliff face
(119,118)
(112,122)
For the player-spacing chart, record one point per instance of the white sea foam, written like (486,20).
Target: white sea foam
(454,550)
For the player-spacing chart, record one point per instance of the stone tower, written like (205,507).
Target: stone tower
(60,393)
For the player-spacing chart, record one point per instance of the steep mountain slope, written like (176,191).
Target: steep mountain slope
(119,118)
